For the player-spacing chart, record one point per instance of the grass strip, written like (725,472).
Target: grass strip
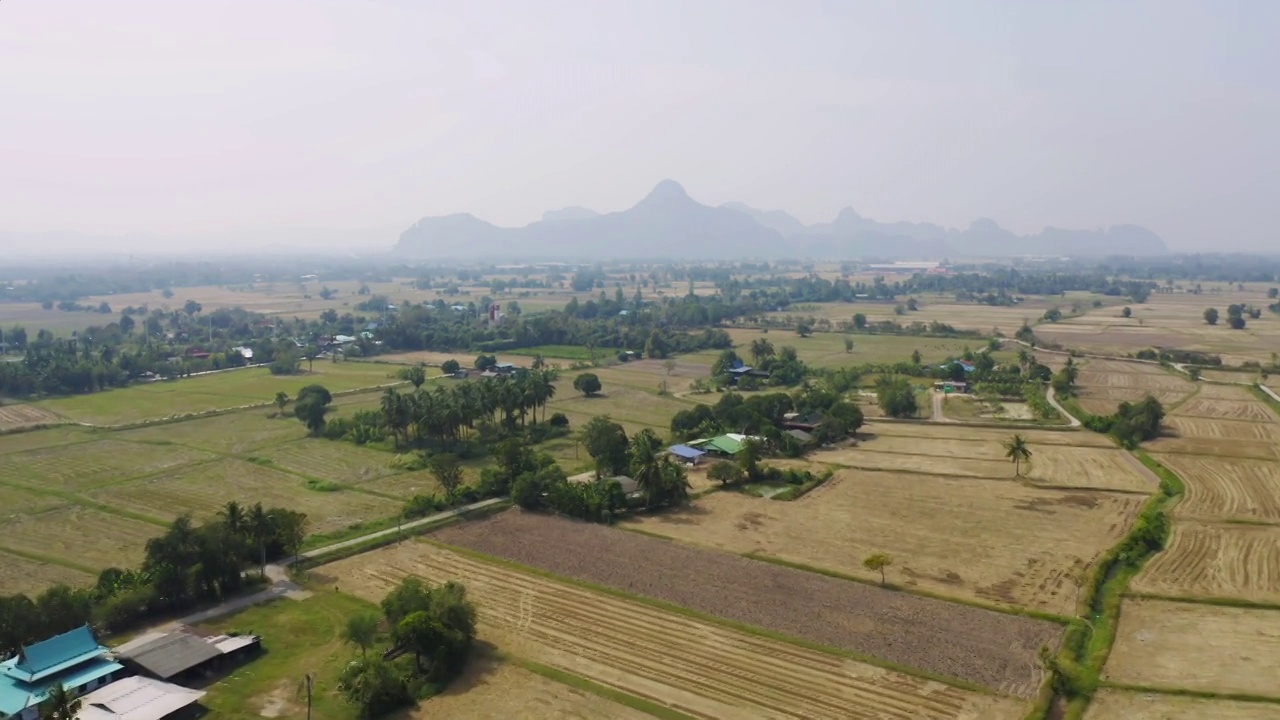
(712,619)
(574,681)
(384,540)
(1077,668)
(1201,694)
(1201,600)
(1270,401)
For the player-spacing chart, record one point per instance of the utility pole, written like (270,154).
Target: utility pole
(308,696)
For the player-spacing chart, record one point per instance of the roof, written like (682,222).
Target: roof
(58,653)
(685,451)
(727,444)
(136,698)
(505,365)
(15,695)
(800,435)
(170,654)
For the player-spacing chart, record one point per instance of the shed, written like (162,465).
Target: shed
(800,435)
(136,698)
(686,453)
(168,655)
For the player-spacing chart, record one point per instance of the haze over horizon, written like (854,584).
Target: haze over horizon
(283,123)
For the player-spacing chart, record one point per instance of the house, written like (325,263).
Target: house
(950,386)
(739,370)
(504,368)
(183,657)
(74,659)
(804,437)
(630,487)
(728,444)
(245,351)
(137,698)
(686,453)
(807,422)
(968,366)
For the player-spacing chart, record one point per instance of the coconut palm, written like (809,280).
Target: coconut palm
(1016,450)
(233,517)
(60,705)
(261,527)
(646,465)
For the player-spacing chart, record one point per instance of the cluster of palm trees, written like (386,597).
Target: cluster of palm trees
(449,415)
(663,480)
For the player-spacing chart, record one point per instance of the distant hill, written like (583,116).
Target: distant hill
(669,223)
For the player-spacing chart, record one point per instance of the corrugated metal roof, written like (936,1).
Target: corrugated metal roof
(171,654)
(136,698)
(685,451)
(57,653)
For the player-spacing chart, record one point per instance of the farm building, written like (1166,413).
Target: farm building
(180,656)
(739,371)
(138,698)
(74,659)
(950,386)
(724,445)
(686,453)
(804,437)
(807,422)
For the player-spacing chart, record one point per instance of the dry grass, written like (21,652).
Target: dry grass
(240,432)
(37,439)
(1126,705)
(79,536)
(1226,488)
(1198,647)
(990,540)
(19,416)
(341,462)
(20,575)
(89,465)
(698,668)
(1104,384)
(1216,561)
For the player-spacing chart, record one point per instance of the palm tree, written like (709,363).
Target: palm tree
(260,528)
(1016,450)
(646,465)
(233,517)
(60,705)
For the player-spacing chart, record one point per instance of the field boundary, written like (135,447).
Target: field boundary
(49,560)
(1206,600)
(714,619)
(1201,694)
(608,693)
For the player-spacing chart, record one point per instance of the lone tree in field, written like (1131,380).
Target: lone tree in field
(448,473)
(877,562)
(361,631)
(1211,316)
(282,399)
(1126,312)
(669,365)
(848,345)
(587,383)
(415,374)
(1015,448)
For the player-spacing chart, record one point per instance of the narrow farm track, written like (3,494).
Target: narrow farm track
(695,667)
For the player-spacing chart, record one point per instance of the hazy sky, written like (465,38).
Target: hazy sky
(184,119)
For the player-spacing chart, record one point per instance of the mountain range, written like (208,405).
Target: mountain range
(668,223)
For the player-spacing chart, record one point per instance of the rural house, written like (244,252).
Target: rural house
(74,659)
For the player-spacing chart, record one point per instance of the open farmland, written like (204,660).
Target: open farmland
(99,539)
(1216,561)
(15,442)
(22,416)
(696,667)
(202,489)
(1224,402)
(826,349)
(339,462)
(1126,705)
(984,647)
(1227,488)
(1104,384)
(238,432)
(1205,648)
(990,540)
(215,391)
(24,575)
(1221,430)
(88,465)
(941,308)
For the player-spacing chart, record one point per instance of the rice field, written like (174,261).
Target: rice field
(99,539)
(89,465)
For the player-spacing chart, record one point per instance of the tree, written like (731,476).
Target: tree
(1126,312)
(233,517)
(361,631)
(373,686)
(761,349)
(606,442)
(1272,294)
(311,409)
(261,527)
(291,529)
(749,458)
(282,399)
(448,473)
(912,304)
(1211,316)
(804,329)
(724,361)
(877,562)
(896,396)
(915,357)
(587,383)
(451,366)
(1053,315)
(1236,322)
(859,321)
(311,352)
(726,472)
(61,704)
(669,365)
(415,374)
(848,345)
(1016,449)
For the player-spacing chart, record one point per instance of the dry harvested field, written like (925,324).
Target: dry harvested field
(14,442)
(21,575)
(1104,384)
(1226,488)
(1051,465)
(1215,561)
(926,434)
(1232,449)
(202,489)
(1225,402)
(341,462)
(16,502)
(99,539)
(1221,430)
(1192,646)
(981,646)
(491,689)
(990,540)
(20,416)
(699,668)
(240,432)
(942,308)
(84,466)
(1126,705)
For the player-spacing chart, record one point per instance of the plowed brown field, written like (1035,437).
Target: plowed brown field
(1226,488)
(1207,648)
(698,668)
(1216,561)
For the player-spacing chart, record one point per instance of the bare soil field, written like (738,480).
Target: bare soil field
(20,575)
(990,540)
(1226,488)
(492,689)
(981,646)
(1216,561)
(19,416)
(1126,705)
(695,667)
(1199,647)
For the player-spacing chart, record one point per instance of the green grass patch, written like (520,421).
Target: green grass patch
(564,352)
(608,693)
(1270,401)
(713,619)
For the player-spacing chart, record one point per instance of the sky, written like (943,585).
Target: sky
(280,122)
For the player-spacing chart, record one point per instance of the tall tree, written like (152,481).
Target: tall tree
(61,704)
(261,528)
(1016,449)
(447,472)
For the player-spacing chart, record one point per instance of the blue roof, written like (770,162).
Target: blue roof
(685,451)
(42,659)
(16,694)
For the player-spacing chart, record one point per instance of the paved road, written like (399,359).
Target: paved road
(282,586)
(1053,400)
